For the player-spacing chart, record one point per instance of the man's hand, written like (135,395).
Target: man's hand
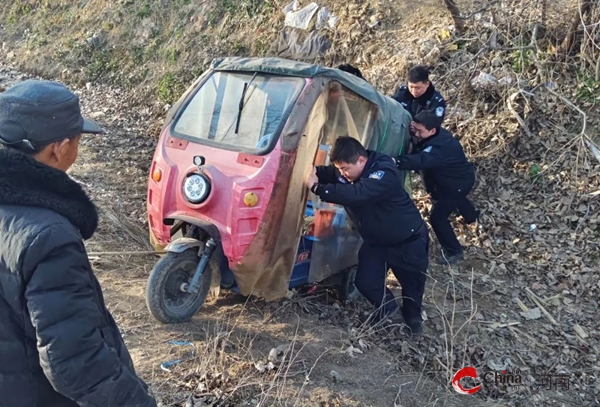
(412,127)
(311,178)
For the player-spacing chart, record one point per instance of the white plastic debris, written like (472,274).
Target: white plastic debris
(364,344)
(277,353)
(325,19)
(299,18)
(506,81)
(260,366)
(594,149)
(351,350)
(483,80)
(532,227)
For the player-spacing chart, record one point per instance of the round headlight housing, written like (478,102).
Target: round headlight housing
(196,188)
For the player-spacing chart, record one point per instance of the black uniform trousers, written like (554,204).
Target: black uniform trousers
(443,206)
(408,261)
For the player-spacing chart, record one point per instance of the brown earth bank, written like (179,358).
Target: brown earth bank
(526,298)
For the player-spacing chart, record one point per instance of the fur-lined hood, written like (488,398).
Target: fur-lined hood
(26,182)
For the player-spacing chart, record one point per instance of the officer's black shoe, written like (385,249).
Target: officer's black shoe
(414,328)
(477,219)
(450,260)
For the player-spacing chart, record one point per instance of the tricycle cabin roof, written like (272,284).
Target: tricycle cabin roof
(287,67)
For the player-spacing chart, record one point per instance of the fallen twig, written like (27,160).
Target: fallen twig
(517,116)
(539,304)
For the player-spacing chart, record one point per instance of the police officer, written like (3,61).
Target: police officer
(420,94)
(351,69)
(371,189)
(448,177)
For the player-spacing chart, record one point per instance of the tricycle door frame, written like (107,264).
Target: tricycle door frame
(336,246)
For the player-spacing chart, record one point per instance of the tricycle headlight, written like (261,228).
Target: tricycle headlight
(196,188)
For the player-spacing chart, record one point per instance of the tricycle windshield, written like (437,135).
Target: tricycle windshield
(241,111)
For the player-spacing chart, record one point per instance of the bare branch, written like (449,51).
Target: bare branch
(481,10)
(459,25)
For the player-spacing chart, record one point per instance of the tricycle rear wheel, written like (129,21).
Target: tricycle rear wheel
(165,298)
(347,291)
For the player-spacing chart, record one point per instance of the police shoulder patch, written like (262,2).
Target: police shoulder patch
(428,149)
(377,174)
(439,111)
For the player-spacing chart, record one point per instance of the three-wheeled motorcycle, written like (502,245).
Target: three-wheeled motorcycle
(226,195)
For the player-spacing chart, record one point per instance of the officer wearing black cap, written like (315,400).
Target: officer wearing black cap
(60,344)
(352,70)
(420,94)
(371,189)
(448,177)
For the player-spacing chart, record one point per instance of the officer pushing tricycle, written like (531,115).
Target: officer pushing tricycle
(227,176)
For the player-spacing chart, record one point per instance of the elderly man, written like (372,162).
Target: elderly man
(60,346)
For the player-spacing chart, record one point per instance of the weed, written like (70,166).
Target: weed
(144,11)
(137,54)
(108,25)
(237,48)
(535,174)
(18,9)
(521,60)
(172,55)
(100,64)
(588,90)
(168,88)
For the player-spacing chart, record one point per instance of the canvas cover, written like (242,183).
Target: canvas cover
(316,119)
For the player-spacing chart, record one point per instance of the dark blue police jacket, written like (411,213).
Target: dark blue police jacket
(444,167)
(377,202)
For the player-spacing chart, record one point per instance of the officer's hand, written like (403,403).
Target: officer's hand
(412,126)
(311,178)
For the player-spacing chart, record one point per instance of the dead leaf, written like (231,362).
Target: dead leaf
(532,313)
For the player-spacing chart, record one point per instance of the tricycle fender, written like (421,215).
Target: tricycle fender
(182,244)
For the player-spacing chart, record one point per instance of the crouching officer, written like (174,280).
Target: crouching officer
(371,189)
(420,94)
(448,177)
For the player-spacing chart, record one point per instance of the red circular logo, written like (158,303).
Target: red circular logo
(468,371)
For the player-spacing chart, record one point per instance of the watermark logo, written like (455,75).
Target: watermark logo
(468,371)
(507,379)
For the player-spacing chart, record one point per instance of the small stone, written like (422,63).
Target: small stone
(96,115)
(335,375)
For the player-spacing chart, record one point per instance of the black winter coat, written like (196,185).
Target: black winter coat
(444,168)
(59,345)
(377,202)
(430,100)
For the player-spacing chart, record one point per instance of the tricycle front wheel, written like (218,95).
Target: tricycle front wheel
(166,297)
